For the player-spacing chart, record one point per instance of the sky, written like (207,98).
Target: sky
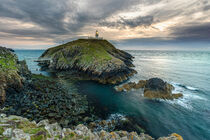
(129,24)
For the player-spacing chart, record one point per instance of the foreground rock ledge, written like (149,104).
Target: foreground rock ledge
(97,59)
(18,128)
(153,88)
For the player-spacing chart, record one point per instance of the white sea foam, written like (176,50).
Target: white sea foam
(112,118)
(182,102)
(184,86)
(188,96)
(191,88)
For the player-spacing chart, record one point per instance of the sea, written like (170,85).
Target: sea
(187,71)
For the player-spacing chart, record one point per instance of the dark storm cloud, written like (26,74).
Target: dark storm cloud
(46,13)
(123,23)
(193,32)
(50,14)
(206,8)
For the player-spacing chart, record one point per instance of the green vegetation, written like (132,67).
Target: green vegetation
(1,130)
(99,60)
(86,138)
(70,136)
(8,62)
(39,137)
(33,130)
(85,52)
(8,67)
(40,76)
(27,127)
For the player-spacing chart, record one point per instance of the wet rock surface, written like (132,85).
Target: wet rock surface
(153,88)
(99,60)
(15,127)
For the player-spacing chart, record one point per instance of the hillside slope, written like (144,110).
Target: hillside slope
(98,59)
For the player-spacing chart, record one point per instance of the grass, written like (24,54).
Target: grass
(1,130)
(33,130)
(70,136)
(86,138)
(40,137)
(40,76)
(8,62)
(28,127)
(87,52)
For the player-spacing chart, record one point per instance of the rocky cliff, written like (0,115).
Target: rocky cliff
(12,72)
(97,59)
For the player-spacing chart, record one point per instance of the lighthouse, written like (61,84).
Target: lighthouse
(97,34)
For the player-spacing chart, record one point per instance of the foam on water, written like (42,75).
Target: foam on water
(184,86)
(188,96)
(191,88)
(109,126)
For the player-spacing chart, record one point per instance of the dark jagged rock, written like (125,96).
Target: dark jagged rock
(46,98)
(157,88)
(156,84)
(99,60)
(23,69)
(153,88)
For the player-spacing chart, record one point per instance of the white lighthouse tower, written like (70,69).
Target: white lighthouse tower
(97,34)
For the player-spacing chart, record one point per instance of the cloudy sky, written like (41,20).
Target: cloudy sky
(138,24)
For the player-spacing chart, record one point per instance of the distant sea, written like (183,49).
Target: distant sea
(188,71)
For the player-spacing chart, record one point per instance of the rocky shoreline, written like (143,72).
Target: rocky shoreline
(51,111)
(16,128)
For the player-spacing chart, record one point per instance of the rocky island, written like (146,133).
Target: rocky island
(96,59)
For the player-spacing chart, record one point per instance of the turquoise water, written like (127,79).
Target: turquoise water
(188,71)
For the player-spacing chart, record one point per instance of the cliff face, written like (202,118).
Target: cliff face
(98,59)
(11,76)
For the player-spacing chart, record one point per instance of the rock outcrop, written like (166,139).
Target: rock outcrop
(131,85)
(157,88)
(153,88)
(99,60)
(15,127)
(10,75)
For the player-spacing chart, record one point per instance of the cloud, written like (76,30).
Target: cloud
(193,32)
(57,20)
(58,17)
(132,23)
